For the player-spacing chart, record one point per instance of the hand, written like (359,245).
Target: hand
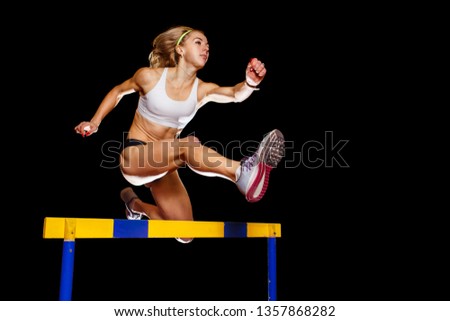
(86,128)
(255,72)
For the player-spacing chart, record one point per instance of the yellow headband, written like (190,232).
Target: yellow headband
(182,36)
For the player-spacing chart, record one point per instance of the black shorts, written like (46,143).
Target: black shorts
(133,142)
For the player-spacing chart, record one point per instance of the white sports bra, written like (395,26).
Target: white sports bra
(157,107)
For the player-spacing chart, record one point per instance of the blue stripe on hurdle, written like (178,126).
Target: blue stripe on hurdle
(235,229)
(130,229)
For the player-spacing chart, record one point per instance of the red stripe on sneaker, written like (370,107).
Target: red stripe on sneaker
(263,171)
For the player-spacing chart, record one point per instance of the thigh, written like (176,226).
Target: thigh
(155,157)
(172,198)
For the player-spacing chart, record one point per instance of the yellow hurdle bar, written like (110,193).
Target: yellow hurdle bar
(55,228)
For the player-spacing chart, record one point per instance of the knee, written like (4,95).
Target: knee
(187,146)
(193,139)
(190,142)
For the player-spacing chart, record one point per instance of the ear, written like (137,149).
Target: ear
(179,50)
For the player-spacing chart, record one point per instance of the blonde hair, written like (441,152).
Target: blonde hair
(164,53)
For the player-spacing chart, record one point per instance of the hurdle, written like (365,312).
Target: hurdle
(70,229)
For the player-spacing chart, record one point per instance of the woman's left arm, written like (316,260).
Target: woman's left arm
(254,74)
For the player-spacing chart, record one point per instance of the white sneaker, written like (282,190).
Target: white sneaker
(184,241)
(127,195)
(255,170)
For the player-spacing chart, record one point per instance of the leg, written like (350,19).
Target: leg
(172,199)
(251,175)
(170,195)
(158,157)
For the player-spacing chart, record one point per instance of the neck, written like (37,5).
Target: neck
(180,77)
(187,74)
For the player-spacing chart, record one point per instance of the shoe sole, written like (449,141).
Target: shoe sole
(270,152)
(271,149)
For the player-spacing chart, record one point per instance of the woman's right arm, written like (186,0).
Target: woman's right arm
(112,98)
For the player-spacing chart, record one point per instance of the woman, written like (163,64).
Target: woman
(170,94)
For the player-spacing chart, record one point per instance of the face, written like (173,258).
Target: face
(196,49)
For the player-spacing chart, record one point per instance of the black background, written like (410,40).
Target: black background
(361,232)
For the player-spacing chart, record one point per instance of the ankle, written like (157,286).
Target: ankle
(237,174)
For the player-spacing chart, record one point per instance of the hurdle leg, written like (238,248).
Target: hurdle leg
(272,268)
(68,258)
(65,289)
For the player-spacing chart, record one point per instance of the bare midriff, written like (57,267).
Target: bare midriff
(148,131)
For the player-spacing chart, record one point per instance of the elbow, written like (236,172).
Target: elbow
(243,93)
(239,98)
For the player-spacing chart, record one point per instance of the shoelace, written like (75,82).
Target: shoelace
(132,214)
(249,162)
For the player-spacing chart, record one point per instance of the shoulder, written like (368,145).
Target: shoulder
(205,87)
(146,78)
(205,84)
(146,74)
